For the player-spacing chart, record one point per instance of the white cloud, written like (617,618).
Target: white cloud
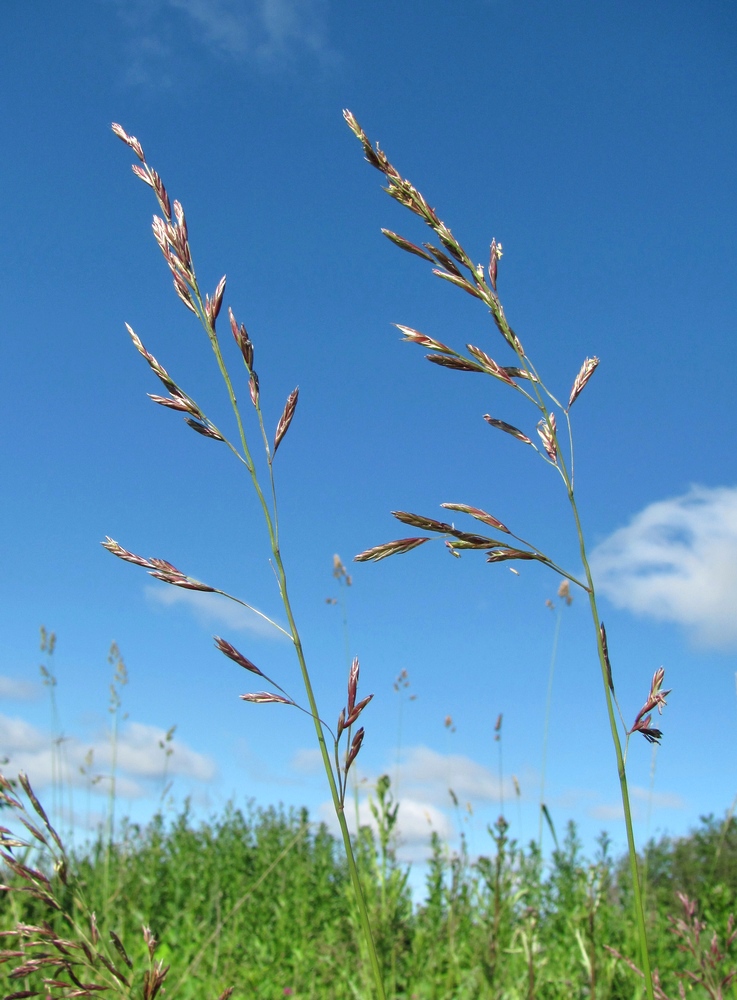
(140,758)
(266,33)
(429,775)
(18,690)
(225,26)
(422,786)
(211,609)
(17,735)
(140,753)
(267,30)
(676,561)
(416,821)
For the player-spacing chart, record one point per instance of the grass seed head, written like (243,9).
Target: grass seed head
(605,651)
(129,140)
(490,365)
(656,699)
(495,255)
(356,744)
(353,684)
(415,337)
(253,388)
(404,244)
(242,340)
(213,305)
(587,370)
(456,363)
(397,547)
(477,513)
(546,430)
(206,429)
(286,418)
(266,698)
(237,657)
(502,425)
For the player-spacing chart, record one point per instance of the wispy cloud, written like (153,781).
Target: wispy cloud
(140,757)
(268,30)
(15,689)
(267,34)
(676,561)
(212,609)
(428,775)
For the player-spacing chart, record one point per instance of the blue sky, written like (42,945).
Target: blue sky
(597,143)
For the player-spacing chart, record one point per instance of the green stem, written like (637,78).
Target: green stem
(334,792)
(537,384)
(413,200)
(272,528)
(621,771)
(546,727)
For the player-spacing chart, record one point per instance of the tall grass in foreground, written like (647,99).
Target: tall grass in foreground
(451,262)
(339,747)
(262,898)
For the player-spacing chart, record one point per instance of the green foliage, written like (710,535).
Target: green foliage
(261,899)
(702,865)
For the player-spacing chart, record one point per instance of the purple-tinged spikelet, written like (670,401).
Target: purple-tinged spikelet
(502,425)
(286,418)
(587,370)
(396,547)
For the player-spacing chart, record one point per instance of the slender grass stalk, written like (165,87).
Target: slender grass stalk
(401,685)
(453,264)
(500,756)
(565,596)
(49,680)
(345,581)
(171,233)
(120,679)
(165,745)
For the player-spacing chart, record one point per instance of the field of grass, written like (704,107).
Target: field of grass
(261,900)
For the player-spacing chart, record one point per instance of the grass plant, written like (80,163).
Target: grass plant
(453,264)
(172,236)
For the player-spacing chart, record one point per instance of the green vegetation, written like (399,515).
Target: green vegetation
(262,900)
